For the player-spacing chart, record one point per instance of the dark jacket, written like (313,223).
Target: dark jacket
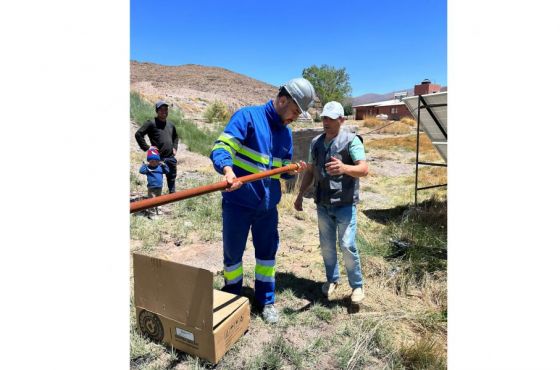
(162,135)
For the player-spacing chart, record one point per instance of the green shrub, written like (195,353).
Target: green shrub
(217,112)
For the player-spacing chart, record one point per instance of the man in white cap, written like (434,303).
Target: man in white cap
(337,161)
(257,139)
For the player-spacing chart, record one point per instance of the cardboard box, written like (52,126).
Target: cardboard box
(176,304)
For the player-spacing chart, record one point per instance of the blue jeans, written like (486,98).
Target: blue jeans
(341,219)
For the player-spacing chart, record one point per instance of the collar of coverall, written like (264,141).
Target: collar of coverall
(272,115)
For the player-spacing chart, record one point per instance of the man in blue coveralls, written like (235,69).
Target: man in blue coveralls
(257,139)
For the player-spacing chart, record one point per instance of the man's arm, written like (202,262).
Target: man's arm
(305,183)
(336,167)
(175,140)
(358,155)
(140,133)
(225,147)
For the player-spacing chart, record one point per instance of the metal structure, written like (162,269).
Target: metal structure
(189,193)
(434,124)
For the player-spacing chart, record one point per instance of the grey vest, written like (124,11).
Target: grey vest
(334,190)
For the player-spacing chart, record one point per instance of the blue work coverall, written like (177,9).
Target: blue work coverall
(254,140)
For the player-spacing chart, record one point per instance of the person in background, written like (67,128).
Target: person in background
(154,171)
(163,136)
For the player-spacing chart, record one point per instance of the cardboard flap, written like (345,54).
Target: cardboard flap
(177,291)
(225,304)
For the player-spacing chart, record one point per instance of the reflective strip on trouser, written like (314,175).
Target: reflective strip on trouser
(234,273)
(264,270)
(264,281)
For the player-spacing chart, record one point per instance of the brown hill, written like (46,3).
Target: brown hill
(192,87)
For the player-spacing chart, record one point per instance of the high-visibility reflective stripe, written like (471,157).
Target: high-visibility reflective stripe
(232,275)
(276,162)
(246,165)
(223,146)
(251,153)
(237,279)
(232,267)
(268,279)
(231,141)
(265,262)
(286,162)
(265,270)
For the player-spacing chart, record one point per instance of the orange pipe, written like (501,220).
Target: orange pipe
(189,193)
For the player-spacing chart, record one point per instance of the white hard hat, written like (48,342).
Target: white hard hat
(333,109)
(302,92)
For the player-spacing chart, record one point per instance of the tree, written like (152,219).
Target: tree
(329,83)
(348,110)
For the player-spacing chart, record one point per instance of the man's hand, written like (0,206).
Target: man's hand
(231,179)
(335,167)
(302,167)
(298,204)
(174,152)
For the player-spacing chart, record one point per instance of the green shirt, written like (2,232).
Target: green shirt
(357,152)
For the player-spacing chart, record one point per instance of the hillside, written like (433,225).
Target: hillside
(192,87)
(374,97)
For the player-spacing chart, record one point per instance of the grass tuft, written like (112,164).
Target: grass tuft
(278,354)
(425,353)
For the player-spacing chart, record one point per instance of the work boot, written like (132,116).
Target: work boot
(357,295)
(270,314)
(328,288)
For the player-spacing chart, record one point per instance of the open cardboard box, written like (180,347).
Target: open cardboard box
(176,304)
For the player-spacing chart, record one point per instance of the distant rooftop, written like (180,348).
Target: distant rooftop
(381,103)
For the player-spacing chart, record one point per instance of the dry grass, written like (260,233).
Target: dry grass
(396,128)
(402,323)
(428,175)
(385,126)
(370,121)
(403,126)
(408,121)
(426,353)
(402,143)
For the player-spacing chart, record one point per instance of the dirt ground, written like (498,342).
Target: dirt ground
(299,265)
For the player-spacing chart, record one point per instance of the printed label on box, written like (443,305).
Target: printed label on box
(184,334)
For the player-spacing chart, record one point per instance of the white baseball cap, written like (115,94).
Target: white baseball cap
(333,109)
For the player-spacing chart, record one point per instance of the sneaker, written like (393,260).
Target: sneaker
(328,288)
(270,314)
(357,295)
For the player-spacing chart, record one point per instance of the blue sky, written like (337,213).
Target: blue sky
(384,45)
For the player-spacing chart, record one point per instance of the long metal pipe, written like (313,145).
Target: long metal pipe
(189,193)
